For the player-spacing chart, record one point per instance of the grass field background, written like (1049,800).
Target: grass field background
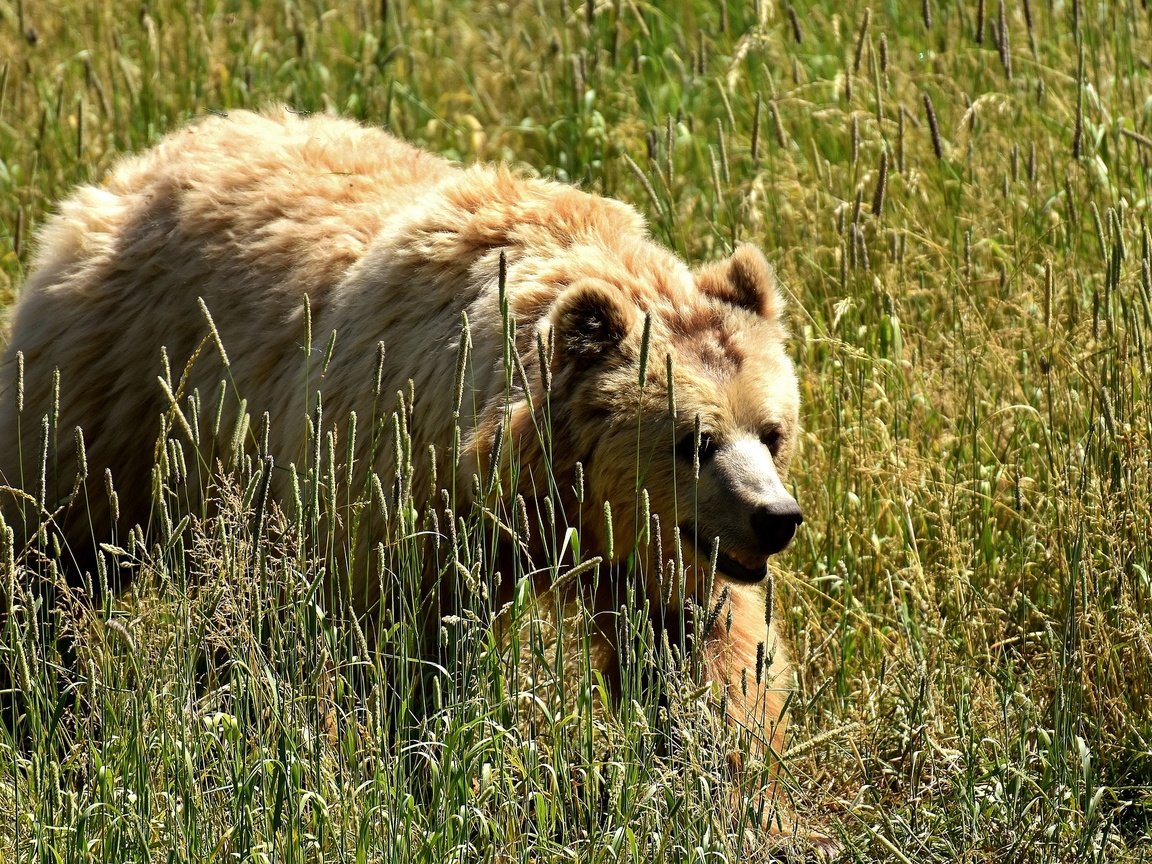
(955,195)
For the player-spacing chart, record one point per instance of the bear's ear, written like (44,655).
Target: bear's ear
(745,280)
(590,321)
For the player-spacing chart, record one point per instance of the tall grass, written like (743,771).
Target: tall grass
(955,196)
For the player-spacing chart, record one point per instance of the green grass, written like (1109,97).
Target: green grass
(955,195)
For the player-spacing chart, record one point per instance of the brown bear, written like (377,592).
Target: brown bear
(199,261)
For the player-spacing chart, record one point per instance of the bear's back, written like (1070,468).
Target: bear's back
(278,192)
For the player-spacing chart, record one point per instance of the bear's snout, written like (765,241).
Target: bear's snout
(774,525)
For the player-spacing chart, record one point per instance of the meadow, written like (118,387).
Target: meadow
(954,194)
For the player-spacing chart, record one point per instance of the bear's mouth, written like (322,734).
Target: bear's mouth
(740,566)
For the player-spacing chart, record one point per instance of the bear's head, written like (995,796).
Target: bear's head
(713,451)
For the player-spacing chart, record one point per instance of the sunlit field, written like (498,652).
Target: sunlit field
(955,197)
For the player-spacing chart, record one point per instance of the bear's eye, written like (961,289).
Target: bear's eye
(707,448)
(689,450)
(773,439)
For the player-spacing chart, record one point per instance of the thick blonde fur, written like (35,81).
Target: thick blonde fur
(260,214)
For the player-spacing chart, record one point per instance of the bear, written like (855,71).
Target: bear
(208,259)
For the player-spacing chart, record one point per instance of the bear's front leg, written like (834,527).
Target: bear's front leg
(745,654)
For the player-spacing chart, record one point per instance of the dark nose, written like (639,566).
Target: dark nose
(775,525)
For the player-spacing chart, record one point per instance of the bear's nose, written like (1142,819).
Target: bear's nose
(775,525)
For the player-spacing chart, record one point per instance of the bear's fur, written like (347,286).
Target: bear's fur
(255,212)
